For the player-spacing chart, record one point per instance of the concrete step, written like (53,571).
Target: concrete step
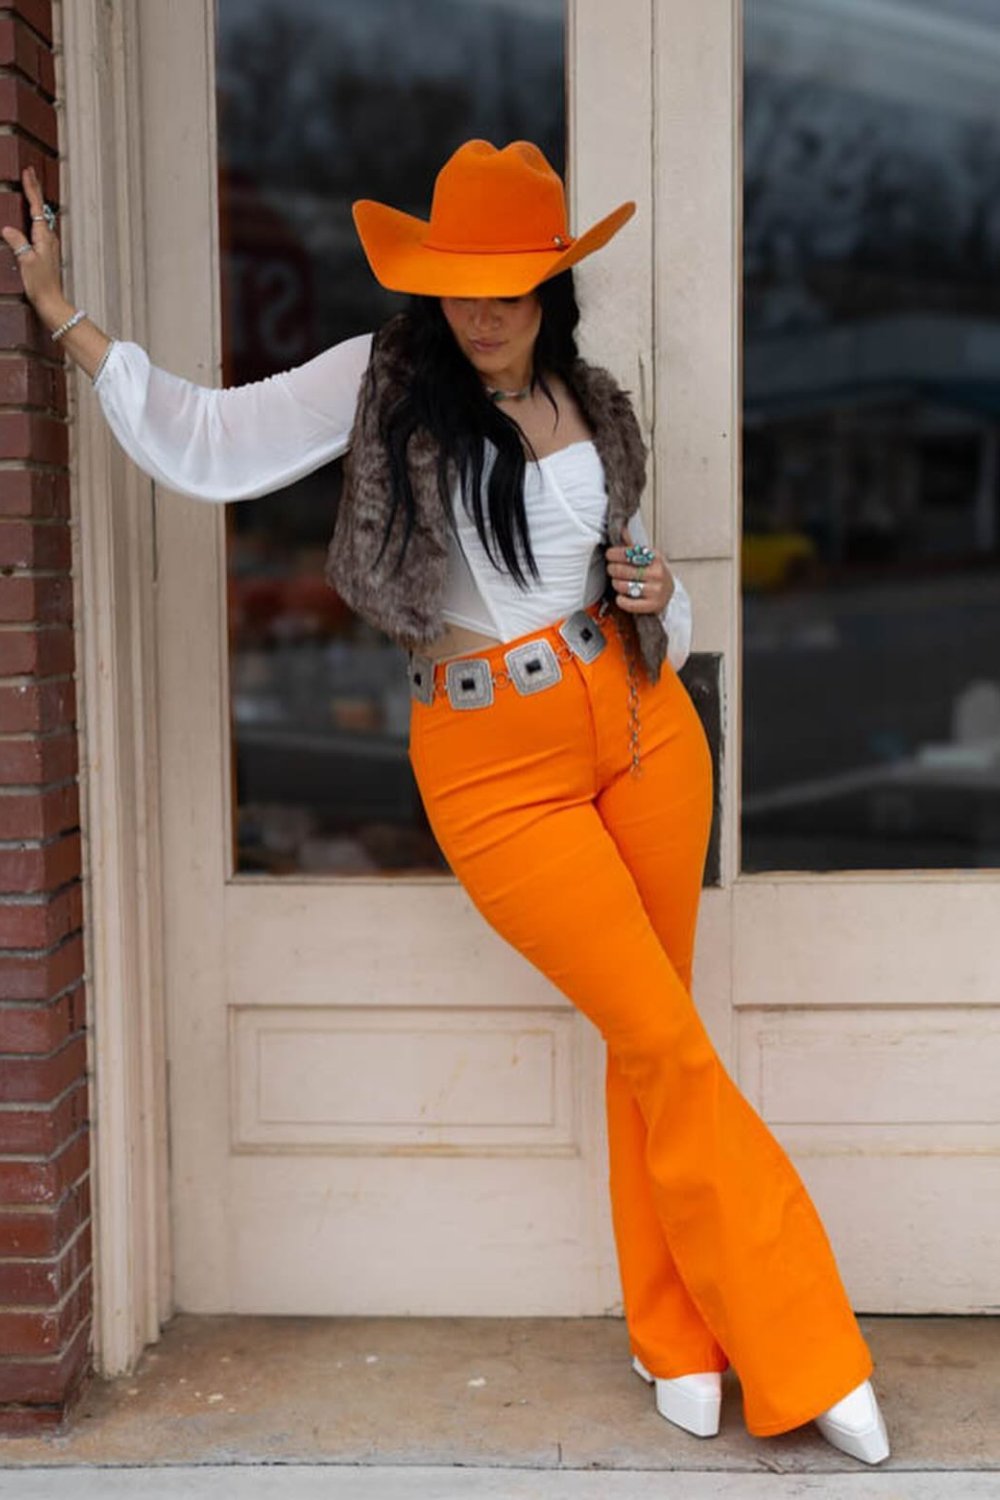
(546,1407)
(376,1482)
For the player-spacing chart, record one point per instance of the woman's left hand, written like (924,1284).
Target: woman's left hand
(656,578)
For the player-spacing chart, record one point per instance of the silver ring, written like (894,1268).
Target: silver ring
(23,249)
(635,588)
(48,213)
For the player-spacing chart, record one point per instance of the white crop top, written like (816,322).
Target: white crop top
(244,441)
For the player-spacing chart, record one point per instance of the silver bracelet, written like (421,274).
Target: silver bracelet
(103,361)
(77,317)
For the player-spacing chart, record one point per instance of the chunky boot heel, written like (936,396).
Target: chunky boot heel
(855,1425)
(689,1401)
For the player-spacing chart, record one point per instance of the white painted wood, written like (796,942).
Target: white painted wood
(273,1209)
(793,972)
(896,939)
(360,1078)
(113,568)
(696,281)
(696,275)
(911,1212)
(937,1066)
(891,1116)
(864,1003)
(609,96)
(183,278)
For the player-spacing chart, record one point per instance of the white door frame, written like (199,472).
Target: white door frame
(105,254)
(111,255)
(689,395)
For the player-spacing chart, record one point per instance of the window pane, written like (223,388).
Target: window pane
(321,102)
(871,585)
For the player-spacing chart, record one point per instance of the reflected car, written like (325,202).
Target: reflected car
(775,559)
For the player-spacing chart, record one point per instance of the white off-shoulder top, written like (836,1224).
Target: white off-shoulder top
(239,442)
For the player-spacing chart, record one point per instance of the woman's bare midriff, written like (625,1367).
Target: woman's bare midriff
(458,640)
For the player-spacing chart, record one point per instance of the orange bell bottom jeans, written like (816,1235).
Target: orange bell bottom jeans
(594,874)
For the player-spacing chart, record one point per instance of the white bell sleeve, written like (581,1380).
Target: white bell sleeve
(235,442)
(676,617)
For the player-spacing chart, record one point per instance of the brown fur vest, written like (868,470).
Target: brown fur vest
(406,603)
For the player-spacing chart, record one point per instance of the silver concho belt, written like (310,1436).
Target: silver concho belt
(533,666)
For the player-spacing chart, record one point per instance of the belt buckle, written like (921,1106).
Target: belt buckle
(583,635)
(420,671)
(469,682)
(533,666)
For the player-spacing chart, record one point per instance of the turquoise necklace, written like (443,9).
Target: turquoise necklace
(511,395)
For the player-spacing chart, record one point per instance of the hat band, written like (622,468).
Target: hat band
(557,242)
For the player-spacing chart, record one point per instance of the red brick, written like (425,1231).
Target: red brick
(18,152)
(48,1384)
(31,761)
(30,599)
(25,434)
(28,381)
(37,976)
(44,1231)
(40,1028)
(24,1181)
(37,13)
(39,493)
(45,867)
(39,814)
(36,1080)
(20,48)
(42,1283)
(26,544)
(40,1132)
(19,327)
(31,705)
(35,922)
(29,652)
(48,1330)
(22,105)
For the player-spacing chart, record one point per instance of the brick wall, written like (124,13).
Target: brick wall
(45,1247)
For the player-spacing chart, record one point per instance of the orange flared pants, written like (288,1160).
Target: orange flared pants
(594,874)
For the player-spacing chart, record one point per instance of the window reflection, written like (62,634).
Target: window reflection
(321,102)
(871,586)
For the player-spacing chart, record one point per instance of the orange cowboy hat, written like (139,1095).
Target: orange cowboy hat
(497,228)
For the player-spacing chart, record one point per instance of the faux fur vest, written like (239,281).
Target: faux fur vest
(406,603)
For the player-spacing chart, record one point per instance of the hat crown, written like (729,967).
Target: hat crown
(492,201)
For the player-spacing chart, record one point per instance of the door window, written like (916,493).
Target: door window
(320,104)
(871,440)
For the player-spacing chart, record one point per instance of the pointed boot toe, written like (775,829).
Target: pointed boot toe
(855,1425)
(689,1401)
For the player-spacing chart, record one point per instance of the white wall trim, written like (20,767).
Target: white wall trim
(104,248)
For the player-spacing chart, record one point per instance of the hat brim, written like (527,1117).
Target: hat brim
(401,261)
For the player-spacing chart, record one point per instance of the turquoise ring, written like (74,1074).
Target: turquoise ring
(639,556)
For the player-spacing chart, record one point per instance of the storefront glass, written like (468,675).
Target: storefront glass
(321,102)
(871,442)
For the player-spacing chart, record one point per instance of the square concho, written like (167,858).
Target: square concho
(420,671)
(469,683)
(533,666)
(583,635)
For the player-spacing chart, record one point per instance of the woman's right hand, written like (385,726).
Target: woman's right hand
(40,267)
(41,276)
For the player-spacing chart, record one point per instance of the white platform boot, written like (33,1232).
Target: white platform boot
(689,1401)
(855,1425)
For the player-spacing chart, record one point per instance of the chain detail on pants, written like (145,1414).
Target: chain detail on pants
(594,875)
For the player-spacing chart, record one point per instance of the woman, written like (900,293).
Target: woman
(563,768)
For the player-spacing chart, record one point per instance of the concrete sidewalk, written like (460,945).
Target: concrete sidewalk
(449,1408)
(296,1482)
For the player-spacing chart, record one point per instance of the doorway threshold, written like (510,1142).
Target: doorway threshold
(482,1396)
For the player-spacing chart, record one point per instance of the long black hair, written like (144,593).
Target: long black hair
(447,398)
